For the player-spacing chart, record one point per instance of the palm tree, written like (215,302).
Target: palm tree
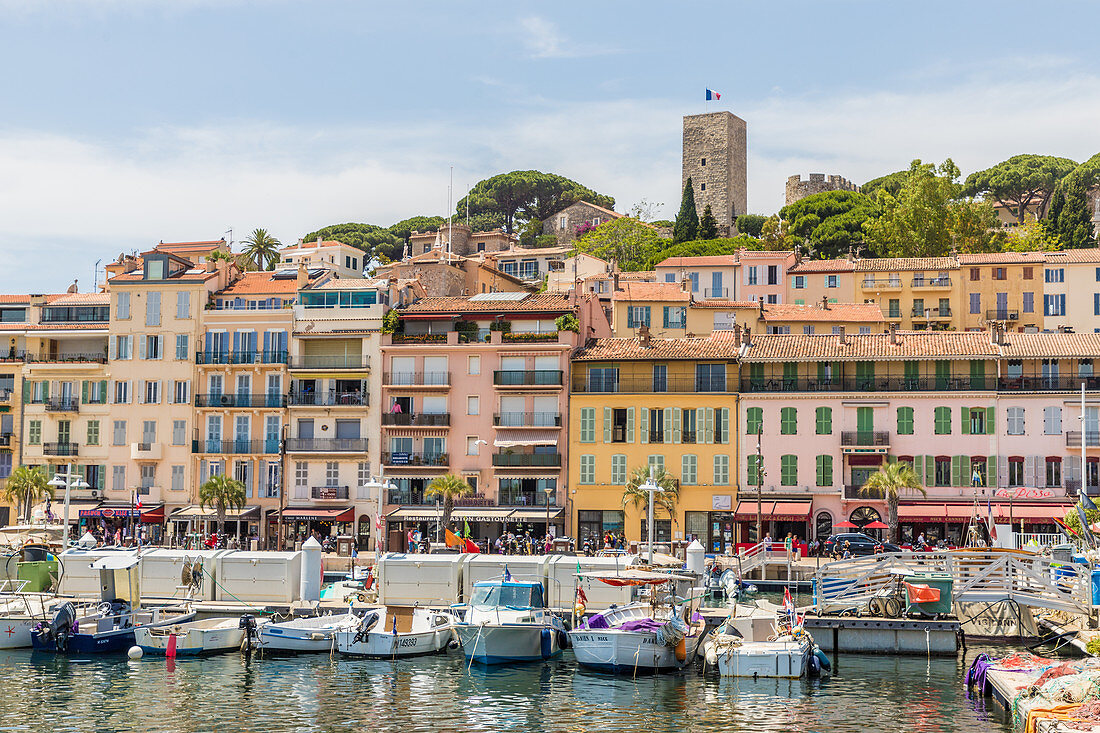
(222,494)
(666,498)
(261,250)
(889,482)
(26,487)
(448,488)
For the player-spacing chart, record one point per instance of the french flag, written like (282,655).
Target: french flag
(713,96)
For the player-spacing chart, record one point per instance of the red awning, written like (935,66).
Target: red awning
(961,513)
(153,515)
(316,514)
(779,511)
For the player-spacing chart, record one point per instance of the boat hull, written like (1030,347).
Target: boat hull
(782,659)
(193,642)
(15,633)
(302,639)
(613,650)
(508,643)
(382,645)
(106,642)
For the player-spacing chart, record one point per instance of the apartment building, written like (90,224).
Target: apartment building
(914,293)
(808,281)
(324,254)
(1003,286)
(708,277)
(531,264)
(1071,290)
(764,275)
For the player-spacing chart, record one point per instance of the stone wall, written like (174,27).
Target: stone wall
(714,157)
(575,215)
(798,189)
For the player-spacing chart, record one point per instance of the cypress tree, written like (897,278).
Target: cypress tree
(708,227)
(1069,218)
(686,227)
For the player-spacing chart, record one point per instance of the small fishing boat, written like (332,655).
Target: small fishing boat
(209,636)
(311,634)
(507,621)
(382,635)
(756,642)
(652,635)
(20,614)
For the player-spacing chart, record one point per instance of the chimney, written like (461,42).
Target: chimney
(824,302)
(798,255)
(643,337)
(851,255)
(737,330)
(746,336)
(685,285)
(319,240)
(893,334)
(761,306)
(616,288)
(842,337)
(303,276)
(211,265)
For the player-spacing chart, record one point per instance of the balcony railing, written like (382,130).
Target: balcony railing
(66,358)
(417,420)
(1032,383)
(62,404)
(235,447)
(417,379)
(415,458)
(240,357)
(529,498)
(527,419)
(932,282)
(326,445)
(1073,439)
(868,438)
(716,292)
(60,449)
(882,282)
(528,377)
(329,493)
(240,400)
(1074,485)
(931,313)
(649,385)
(868,384)
(527,460)
(852,491)
(1002,314)
(330,398)
(346,361)
(5,439)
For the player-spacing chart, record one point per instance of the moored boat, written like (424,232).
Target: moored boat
(209,636)
(507,621)
(310,634)
(759,643)
(381,634)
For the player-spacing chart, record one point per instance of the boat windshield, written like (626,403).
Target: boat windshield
(512,596)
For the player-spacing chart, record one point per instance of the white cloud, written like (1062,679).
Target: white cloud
(544,40)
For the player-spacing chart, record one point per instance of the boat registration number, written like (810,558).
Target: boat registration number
(406,642)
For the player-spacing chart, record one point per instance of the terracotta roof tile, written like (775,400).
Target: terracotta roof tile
(1002,258)
(609,212)
(710,261)
(466,304)
(837,265)
(836,313)
(350,283)
(643,291)
(1057,345)
(764,253)
(260,283)
(898,264)
(871,347)
(312,244)
(15,299)
(1071,256)
(175,247)
(80,326)
(80,299)
(718,345)
(181,276)
(722,303)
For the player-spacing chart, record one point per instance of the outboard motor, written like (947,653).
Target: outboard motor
(248,623)
(60,627)
(369,621)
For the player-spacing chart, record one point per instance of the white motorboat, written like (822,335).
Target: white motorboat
(643,635)
(507,621)
(312,634)
(384,635)
(209,636)
(754,642)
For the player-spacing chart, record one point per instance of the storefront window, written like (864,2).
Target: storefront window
(594,524)
(823,526)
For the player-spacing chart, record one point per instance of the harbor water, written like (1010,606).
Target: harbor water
(322,693)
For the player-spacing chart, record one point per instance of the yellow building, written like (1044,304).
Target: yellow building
(808,281)
(672,404)
(914,293)
(1002,286)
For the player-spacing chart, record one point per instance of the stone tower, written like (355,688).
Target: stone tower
(714,158)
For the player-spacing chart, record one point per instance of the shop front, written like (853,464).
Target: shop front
(486,523)
(949,522)
(193,524)
(53,512)
(778,519)
(113,521)
(300,523)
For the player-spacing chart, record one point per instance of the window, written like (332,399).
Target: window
(975,273)
(1029,302)
(472,446)
(660,377)
(473,404)
(824,470)
(473,365)
(689,469)
(122,393)
(618,469)
(181,392)
(702,162)
(824,420)
(1015,421)
(975,302)
(773,274)
(301,475)
(710,377)
(34,432)
(656,463)
(152,392)
(754,420)
(999,273)
(694,278)
(637,316)
(1054,275)
(721,470)
(1054,305)
(943,471)
(179,432)
(788,421)
(124,347)
(177,478)
(943,421)
(561,223)
(181,347)
(122,307)
(588,425)
(702,186)
(754,476)
(799,282)
(332,473)
(788,470)
(1054,472)
(148,475)
(1052,420)
(118,478)
(1029,273)
(603,379)
(753,275)
(688,422)
(588,469)
(807,329)
(831,281)
(119,433)
(675,316)
(1015,471)
(152,308)
(905,421)
(773,299)
(152,347)
(183,304)
(977,421)
(93,432)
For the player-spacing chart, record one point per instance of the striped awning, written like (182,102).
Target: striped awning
(416,432)
(527,437)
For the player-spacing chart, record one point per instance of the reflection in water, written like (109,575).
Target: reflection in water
(319,693)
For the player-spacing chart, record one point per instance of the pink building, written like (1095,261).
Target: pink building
(763,275)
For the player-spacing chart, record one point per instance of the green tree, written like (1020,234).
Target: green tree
(702,248)
(1069,219)
(1033,236)
(686,227)
(664,500)
(890,482)
(376,241)
(404,228)
(261,250)
(626,240)
(519,196)
(1073,521)
(530,233)
(221,494)
(1020,182)
(750,224)
(447,488)
(891,183)
(25,487)
(830,222)
(708,227)
(775,235)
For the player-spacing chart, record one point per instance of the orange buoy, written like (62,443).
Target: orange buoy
(681,650)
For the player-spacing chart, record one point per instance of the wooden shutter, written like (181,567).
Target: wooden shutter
(630,425)
(667,424)
(956,469)
(989,413)
(676,424)
(964,414)
(709,425)
(84,392)
(643,425)
(26,391)
(724,422)
(608,422)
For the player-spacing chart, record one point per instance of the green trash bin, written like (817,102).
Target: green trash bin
(940,581)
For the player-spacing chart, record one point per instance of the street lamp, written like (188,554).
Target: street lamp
(549,492)
(380,484)
(652,487)
(69,480)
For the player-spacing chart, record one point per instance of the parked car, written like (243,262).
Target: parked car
(857,543)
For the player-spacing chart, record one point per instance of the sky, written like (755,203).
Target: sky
(128,122)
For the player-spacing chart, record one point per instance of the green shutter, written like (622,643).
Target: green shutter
(643,425)
(630,425)
(103,391)
(608,423)
(100,477)
(964,470)
(709,429)
(989,414)
(956,470)
(724,423)
(45,391)
(865,419)
(991,478)
(667,424)
(918,468)
(676,424)
(84,392)
(26,391)
(964,415)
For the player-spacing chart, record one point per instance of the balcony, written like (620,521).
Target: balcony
(1073,486)
(417,420)
(865,438)
(529,338)
(415,458)
(716,292)
(62,404)
(648,385)
(931,282)
(1073,439)
(416,379)
(240,357)
(329,493)
(326,445)
(346,361)
(931,313)
(240,400)
(530,498)
(5,395)
(1002,314)
(527,420)
(852,491)
(60,449)
(75,358)
(868,384)
(1055,383)
(235,447)
(145,451)
(331,398)
(5,440)
(528,378)
(527,460)
(882,283)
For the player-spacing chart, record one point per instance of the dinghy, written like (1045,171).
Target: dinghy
(209,636)
(312,634)
(385,636)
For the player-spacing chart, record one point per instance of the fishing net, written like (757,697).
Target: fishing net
(1022,660)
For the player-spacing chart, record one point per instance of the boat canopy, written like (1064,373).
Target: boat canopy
(632,576)
(508,593)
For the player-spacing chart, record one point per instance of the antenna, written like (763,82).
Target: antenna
(450,209)
(229,231)
(95,275)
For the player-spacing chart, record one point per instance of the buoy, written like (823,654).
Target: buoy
(134,652)
(681,650)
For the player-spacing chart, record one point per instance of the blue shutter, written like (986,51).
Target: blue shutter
(1096,303)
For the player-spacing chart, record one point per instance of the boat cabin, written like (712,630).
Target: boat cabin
(508,593)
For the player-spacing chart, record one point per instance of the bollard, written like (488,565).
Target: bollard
(696,557)
(310,586)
